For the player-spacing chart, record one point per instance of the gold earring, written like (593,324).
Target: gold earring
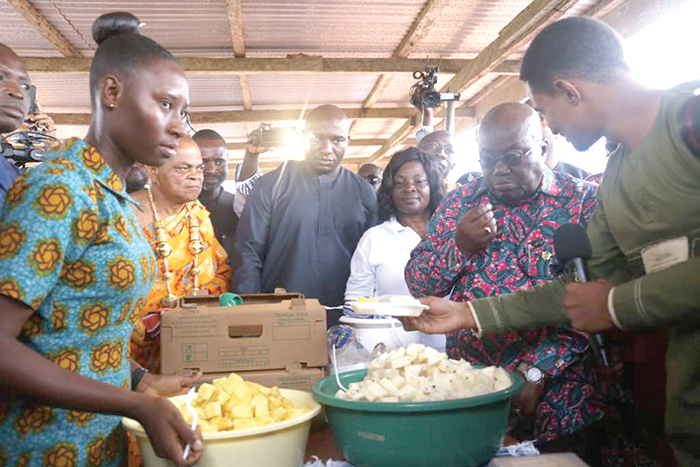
(110,105)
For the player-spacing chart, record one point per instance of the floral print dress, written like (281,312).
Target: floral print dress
(72,250)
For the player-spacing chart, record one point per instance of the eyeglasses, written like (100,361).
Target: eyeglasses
(511,159)
(418,183)
(372,179)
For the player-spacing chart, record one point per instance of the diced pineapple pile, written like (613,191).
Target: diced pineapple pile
(234,404)
(418,373)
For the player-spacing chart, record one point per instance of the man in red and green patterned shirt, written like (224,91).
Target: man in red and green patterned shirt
(494,235)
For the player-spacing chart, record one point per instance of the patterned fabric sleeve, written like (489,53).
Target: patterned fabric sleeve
(437,263)
(35,245)
(589,204)
(220,283)
(245,187)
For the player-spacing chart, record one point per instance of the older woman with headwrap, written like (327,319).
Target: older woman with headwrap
(179,230)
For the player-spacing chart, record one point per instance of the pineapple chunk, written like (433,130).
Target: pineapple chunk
(212,410)
(205,392)
(243,423)
(242,411)
(262,421)
(221,396)
(234,404)
(218,382)
(242,392)
(206,427)
(231,382)
(260,407)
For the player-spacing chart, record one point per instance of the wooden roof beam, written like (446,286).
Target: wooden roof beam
(296,65)
(626,16)
(513,36)
(353,142)
(46,29)
(418,29)
(256,116)
(234,12)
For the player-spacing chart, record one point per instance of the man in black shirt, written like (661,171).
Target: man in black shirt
(219,202)
(302,222)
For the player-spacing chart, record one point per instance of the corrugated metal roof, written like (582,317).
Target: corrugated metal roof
(64,92)
(465,27)
(230,131)
(19,35)
(215,91)
(365,129)
(182,26)
(333,28)
(274,28)
(297,90)
(477,87)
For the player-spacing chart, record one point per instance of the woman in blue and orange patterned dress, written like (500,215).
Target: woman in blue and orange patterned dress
(75,268)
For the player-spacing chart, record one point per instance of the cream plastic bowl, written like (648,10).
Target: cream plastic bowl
(281,444)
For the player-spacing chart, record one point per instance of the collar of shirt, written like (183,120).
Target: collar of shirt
(396,227)
(550,185)
(309,172)
(97,167)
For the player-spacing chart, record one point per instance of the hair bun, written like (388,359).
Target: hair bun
(112,24)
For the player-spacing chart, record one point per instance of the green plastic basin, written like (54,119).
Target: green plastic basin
(454,433)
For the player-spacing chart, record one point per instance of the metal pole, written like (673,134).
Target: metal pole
(450,117)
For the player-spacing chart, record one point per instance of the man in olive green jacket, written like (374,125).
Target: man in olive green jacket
(645,232)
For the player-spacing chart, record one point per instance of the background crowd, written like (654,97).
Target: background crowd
(132,224)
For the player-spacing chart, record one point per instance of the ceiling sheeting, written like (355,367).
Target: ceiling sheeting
(420,29)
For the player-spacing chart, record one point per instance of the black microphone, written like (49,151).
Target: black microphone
(573,247)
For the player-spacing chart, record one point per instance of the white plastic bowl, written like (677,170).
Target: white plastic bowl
(281,444)
(371,332)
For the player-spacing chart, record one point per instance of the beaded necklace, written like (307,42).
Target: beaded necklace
(163,250)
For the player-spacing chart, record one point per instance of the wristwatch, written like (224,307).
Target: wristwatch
(136,377)
(531,373)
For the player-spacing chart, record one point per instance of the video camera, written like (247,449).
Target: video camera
(28,140)
(29,152)
(423,93)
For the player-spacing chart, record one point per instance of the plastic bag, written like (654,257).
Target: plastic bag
(346,351)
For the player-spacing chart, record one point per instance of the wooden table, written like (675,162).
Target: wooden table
(322,445)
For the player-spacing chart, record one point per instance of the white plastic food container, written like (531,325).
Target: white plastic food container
(281,444)
(371,332)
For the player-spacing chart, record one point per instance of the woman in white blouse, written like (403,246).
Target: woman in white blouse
(411,189)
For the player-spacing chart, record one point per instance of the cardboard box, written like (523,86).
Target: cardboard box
(291,378)
(267,332)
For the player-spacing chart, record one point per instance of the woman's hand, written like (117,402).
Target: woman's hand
(443,316)
(167,385)
(168,431)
